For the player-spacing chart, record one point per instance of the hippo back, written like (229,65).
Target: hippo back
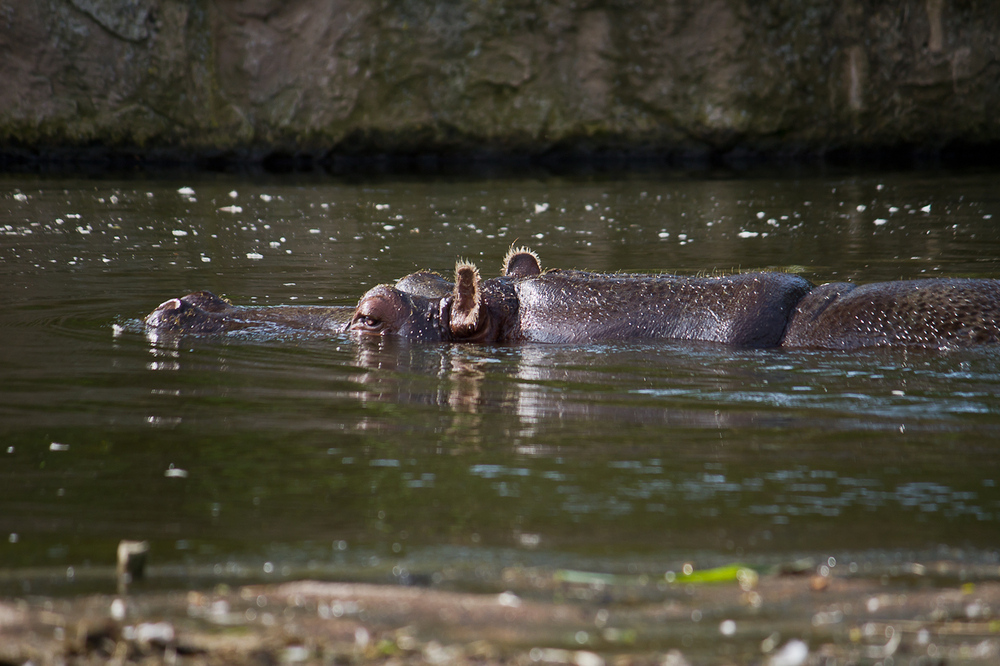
(747,310)
(932,313)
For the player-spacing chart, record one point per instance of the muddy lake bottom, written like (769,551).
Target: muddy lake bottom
(317,498)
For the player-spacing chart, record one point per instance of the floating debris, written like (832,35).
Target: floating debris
(149,634)
(118,610)
(131,562)
(175,472)
(509,600)
(793,653)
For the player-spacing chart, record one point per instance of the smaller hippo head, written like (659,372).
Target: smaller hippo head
(200,312)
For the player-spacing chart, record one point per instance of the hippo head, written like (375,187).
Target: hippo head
(460,315)
(425,306)
(385,310)
(200,312)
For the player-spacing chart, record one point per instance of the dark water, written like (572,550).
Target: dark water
(315,455)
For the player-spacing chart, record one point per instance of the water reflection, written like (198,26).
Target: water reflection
(165,349)
(560,436)
(698,390)
(665,384)
(537,384)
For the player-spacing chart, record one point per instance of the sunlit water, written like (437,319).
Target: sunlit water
(322,455)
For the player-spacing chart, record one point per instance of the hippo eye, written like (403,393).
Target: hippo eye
(380,312)
(367,322)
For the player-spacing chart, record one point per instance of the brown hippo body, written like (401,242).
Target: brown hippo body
(524,304)
(573,307)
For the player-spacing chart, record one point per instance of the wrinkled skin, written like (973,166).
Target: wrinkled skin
(525,304)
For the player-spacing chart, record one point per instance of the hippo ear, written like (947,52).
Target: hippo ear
(520,262)
(466,313)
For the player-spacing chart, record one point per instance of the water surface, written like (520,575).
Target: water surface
(287,455)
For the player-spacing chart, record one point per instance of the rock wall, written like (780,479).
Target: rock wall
(339,77)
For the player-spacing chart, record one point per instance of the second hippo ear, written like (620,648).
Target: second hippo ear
(521,262)
(466,313)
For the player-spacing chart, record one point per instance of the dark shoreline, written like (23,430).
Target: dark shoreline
(491,163)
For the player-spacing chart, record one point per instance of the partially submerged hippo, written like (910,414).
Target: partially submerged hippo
(525,304)
(204,312)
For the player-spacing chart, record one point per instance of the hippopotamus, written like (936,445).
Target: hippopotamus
(204,312)
(526,304)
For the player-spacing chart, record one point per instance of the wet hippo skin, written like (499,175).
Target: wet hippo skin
(921,313)
(525,304)
(745,310)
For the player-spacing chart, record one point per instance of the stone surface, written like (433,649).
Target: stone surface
(324,78)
